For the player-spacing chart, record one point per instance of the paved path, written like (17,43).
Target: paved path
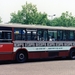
(53,67)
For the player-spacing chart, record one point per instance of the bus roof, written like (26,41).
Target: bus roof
(36,26)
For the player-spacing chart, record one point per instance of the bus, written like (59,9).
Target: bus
(23,42)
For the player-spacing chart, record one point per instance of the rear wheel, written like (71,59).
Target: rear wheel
(72,54)
(21,57)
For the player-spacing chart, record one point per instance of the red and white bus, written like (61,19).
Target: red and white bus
(23,42)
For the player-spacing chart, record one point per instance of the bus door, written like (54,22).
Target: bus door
(6,45)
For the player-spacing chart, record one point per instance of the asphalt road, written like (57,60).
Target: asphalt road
(45,67)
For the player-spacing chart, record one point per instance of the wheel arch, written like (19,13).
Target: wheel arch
(72,53)
(72,48)
(22,50)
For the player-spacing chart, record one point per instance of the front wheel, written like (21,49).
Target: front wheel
(72,54)
(21,57)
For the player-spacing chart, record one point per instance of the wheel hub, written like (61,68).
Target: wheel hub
(21,56)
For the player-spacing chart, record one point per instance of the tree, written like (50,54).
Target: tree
(29,15)
(66,19)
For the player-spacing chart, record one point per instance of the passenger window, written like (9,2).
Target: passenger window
(52,35)
(31,34)
(71,35)
(28,35)
(34,35)
(19,34)
(59,35)
(45,35)
(23,34)
(42,35)
(5,36)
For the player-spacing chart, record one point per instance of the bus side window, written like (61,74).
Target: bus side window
(65,35)
(71,35)
(6,37)
(17,34)
(59,35)
(0,35)
(28,35)
(34,35)
(40,35)
(45,35)
(23,31)
(52,34)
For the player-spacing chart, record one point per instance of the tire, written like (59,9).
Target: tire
(21,57)
(72,54)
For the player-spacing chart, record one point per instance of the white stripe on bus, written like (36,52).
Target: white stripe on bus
(31,49)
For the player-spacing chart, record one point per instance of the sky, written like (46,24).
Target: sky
(50,7)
